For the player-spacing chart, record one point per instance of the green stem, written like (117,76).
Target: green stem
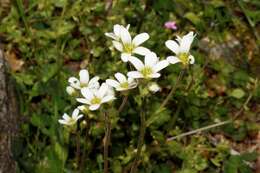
(121,107)
(172,90)
(78,148)
(106,142)
(84,155)
(22,15)
(140,142)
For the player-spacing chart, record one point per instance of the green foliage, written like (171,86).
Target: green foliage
(56,38)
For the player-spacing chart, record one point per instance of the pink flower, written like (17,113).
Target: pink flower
(170,25)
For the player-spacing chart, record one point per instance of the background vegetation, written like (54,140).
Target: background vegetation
(47,41)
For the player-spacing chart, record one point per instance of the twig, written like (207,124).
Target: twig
(140,142)
(221,123)
(199,130)
(106,142)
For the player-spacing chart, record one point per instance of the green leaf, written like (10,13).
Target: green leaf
(237,93)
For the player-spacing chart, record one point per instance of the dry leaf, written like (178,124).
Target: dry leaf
(15,63)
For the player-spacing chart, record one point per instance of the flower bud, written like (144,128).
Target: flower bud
(71,91)
(154,87)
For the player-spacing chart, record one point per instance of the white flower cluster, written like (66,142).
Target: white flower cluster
(93,94)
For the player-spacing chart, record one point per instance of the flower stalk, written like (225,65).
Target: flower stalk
(121,107)
(173,89)
(106,141)
(140,141)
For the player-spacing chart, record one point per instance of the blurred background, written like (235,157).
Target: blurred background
(47,41)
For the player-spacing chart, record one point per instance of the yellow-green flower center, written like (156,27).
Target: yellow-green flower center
(128,48)
(82,85)
(124,85)
(146,72)
(71,121)
(184,57)
(95,100)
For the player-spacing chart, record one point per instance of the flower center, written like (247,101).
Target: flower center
(128,47)
(146,71)
(184,57)
(71,121)
(95,101)
(124,85)
(82,85)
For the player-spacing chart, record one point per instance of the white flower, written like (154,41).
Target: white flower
(69,121)
(122,83)
(154,87)
(116,32)
(148,69)
(181,48)
(123,42)
(94,98)
(84,81)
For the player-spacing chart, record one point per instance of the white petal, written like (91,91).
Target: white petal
(111,35)
(63,122)
(150,59)
(87,93)
(127,26)
(173,46)
(78,117)
(84,101)
(135,74)
(66,117)
(131,80)
(94,107)
(160,65)
(141,50)
(118,45)
(173,59)
(125,57)
(138,64)
(112,83)
(140,38)
(75,113)
(93,82)
(74,82)
(120,77)
(191,59)
(186,42)
(107,98)
(125,36)
(110,91)
(83,76)
(178,39)
(117,29)
(155,75)
(102,90)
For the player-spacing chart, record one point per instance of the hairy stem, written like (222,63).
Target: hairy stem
(140,143)
(84,155)
(78,148)
(172,90)
(106,142)
(121,107)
